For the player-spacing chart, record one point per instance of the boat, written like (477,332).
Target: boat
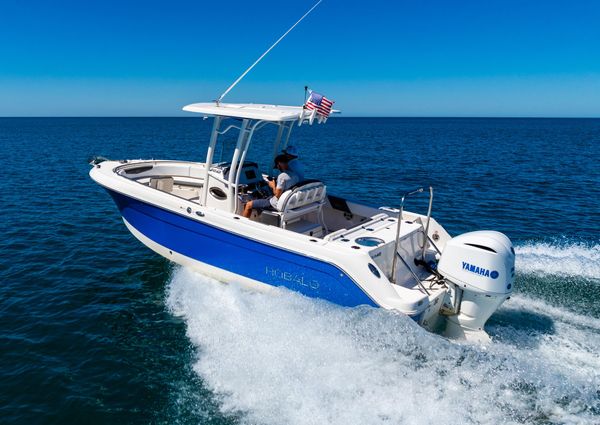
(314,242)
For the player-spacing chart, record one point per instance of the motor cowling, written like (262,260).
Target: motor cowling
(479,268)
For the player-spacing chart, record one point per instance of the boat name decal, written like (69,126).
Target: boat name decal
(295,278)
(480,270)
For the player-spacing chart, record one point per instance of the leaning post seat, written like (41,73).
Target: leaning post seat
(302,194)
(301,199)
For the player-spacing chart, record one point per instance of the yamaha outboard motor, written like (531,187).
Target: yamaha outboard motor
(479,268)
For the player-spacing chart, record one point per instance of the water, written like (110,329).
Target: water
(96,328)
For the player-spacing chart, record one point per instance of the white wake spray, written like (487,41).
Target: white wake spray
(562,259)
(282,358)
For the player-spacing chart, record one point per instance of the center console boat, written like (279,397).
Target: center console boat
(314,242)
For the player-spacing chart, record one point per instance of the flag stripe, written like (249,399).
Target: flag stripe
(319,103)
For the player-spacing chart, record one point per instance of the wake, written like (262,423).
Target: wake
(283,358)
(563,259)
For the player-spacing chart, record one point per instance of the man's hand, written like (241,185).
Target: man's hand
(272,184)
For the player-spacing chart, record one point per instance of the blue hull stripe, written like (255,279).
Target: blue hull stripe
(240,255)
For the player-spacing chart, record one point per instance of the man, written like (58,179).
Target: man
(294,163)
(285,180)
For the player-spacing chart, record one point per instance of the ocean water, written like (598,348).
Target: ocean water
(95,328)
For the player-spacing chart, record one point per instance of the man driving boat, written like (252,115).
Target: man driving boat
(285,180)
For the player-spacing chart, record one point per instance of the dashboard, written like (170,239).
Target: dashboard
(251,180)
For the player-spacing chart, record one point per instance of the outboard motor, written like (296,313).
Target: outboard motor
(479,268)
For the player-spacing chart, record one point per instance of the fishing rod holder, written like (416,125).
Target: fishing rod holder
(396,254)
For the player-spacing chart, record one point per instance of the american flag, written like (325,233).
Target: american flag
(320,103)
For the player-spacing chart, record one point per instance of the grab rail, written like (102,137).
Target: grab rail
(426,229)
(395,259)
(434,245)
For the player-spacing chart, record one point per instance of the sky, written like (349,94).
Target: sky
(374,58)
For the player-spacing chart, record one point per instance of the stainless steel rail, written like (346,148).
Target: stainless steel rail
(426,230)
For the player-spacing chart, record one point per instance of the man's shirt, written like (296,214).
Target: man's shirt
(285,180)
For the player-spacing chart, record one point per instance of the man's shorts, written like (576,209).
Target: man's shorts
(262,204)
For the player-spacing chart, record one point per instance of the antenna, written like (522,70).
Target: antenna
(265,53)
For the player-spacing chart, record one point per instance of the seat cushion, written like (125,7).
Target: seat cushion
(301,195)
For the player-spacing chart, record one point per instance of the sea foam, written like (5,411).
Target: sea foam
(282,358)
(563,259)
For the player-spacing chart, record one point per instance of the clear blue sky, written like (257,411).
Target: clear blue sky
(382,58)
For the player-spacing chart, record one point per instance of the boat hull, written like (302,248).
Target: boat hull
(229,256)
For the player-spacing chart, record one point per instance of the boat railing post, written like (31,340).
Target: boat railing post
(245,147)
(234,163)
(287,137)
(426,229)
(434,245)
(395,259)
(276,145)
(209,157)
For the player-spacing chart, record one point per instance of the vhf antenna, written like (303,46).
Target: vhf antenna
(265,53)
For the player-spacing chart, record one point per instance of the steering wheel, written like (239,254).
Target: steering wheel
(262,190)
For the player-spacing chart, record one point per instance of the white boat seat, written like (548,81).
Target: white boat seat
(162,183)
(304,198)
(305,227)
(186,193)
(302,194)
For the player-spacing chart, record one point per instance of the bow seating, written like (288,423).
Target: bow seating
(299,208)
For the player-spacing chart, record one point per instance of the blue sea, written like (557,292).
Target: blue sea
(97,329)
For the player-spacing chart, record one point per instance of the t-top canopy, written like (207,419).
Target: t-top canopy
(253,111)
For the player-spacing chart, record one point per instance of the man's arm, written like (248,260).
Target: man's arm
(280,184)
(276,191)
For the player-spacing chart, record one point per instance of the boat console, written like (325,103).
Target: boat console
(250,177)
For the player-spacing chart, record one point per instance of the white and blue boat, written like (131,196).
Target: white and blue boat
(314,242)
